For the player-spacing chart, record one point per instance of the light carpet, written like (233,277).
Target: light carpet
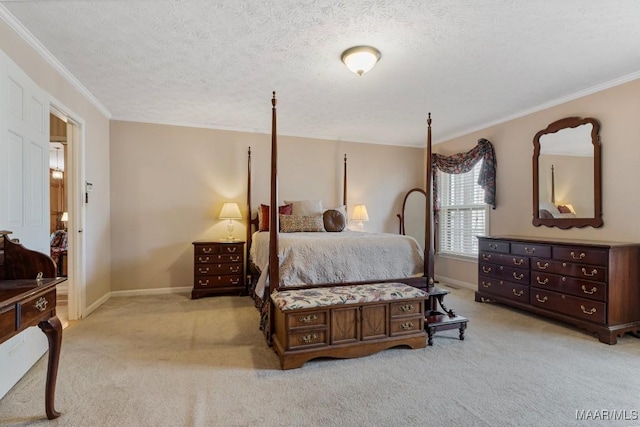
(170,361)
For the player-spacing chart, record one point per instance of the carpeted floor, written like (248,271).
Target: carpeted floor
(171,361)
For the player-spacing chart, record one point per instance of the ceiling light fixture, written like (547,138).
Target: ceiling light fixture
(360,59)
(57,172)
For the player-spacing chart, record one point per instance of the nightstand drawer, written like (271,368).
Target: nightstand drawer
(208,269)
(211,259)
(217,281)
(37,308)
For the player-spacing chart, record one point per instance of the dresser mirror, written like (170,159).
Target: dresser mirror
(413,216)
(567,189)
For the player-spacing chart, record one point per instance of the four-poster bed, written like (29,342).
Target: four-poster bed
(317,303)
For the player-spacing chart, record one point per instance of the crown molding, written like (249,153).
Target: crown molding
(26,35)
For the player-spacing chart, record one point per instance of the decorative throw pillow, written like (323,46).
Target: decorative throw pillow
(296,223)
(263,215)
(334,220)
(564,209)
(305,207)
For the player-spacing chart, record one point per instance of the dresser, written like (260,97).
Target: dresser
(593,285)
(218,268)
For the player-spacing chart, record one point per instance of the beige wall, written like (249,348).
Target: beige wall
(618,110)
(168,184)
(96,149)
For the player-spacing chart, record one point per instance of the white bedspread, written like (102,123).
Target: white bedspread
(349,256)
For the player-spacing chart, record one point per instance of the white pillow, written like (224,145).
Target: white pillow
(305,207)
(342,209)
(553,210)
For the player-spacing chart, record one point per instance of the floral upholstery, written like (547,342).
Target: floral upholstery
(337,295)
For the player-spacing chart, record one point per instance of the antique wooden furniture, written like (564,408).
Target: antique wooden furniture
(592,285)
(346,321)
(436,320)
(571,146)
(218,268)
(28,298)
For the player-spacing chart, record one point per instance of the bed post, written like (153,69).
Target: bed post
(248,245)
(428,235)
(274,262)
(344,183)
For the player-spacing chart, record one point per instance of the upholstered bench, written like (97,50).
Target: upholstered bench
(346,321)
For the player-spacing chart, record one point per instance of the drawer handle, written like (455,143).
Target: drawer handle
(201,283)
(517,293)
(518,261)
(235,270)
(486,284)
(406,326)
(590,312)
(542,282)
(203,270)
(235,259)
(520,277)
(529,251)
(486,257)
(593,272)
(406,308)
(486,270)
(203,259)
(581,256)
(493,245)
(591,292)
(545,299)
(41,304)
(308,338)
(308,318)
(207,250)
(235,281)
(232,250)
(542,267)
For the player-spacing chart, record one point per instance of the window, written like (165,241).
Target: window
(463,214)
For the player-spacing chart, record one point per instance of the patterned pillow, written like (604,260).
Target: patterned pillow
(263,215)
(295,223)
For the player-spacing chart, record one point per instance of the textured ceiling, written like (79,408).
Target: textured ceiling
(214,63)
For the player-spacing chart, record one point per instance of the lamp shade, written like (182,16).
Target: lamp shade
(64,217)
(230,211)
(360,59)
(360,213)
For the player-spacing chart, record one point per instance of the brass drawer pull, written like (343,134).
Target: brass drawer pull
(201,283)
(493,245)
(308,338)
(486,257)
(545,299)
(203,259)
(232,250)
(486,270)
(235,270)
(517,293)
(518,261)
(581,256)
(406,326)
(41,304)
(529,251)
(486,284)
(593,272)
(520,277)
(235,281)
(235,259)
(542,267)
(591,292)
(406,308)
(202,270)
(308,318)
(590,312)
(207,250)
(542,282)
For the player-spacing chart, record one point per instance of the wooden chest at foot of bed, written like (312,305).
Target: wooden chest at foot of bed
(346,321)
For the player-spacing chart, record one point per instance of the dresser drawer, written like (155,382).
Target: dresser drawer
(306,319)
(37,308)
(582,308)
(505,259)
(217,281)
(208,269)
(494,246)
(515,275)
(407,325)
(583,271)
(569,285)
(531,249)
(307,339)
(219,248)
(406,308)
(505,289)
(582,255)
(212,259)
(7,321)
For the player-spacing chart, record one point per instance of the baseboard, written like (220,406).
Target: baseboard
(456,283)
(156,291)
(93,307)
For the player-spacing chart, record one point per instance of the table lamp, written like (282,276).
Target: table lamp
(360,214)
(230,211)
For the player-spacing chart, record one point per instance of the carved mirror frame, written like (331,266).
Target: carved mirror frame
(401,216)
(565,223)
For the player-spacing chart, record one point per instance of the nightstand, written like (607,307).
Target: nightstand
(218,268)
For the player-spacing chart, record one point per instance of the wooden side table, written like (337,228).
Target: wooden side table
(435,320)
(218,268)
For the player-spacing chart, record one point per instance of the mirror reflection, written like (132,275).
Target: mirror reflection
(566,174)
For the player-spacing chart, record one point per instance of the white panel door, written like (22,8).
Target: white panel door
(24,194)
